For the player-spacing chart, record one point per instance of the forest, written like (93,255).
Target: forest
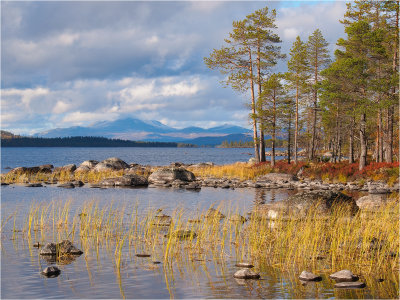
(346,104)
(79,141)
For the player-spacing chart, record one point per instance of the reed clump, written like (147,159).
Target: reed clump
(365,242)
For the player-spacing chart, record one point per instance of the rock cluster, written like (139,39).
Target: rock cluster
(63,248)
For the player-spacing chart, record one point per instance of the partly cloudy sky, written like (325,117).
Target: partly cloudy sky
(76,63)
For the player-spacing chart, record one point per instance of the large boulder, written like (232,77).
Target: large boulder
(299,204)
(277,177)
(67,168)
(32,170)
(87,165)
(169,174)
(371,202)
(126,180)
(111,164)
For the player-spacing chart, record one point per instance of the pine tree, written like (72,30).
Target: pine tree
(318,59)
(298,68)
(260,26)
(236,60)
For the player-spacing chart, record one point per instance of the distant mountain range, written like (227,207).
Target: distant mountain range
(152,131)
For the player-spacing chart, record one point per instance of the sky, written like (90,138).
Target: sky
(76,63)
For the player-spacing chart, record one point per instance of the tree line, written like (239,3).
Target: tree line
(86,141)
(346,104)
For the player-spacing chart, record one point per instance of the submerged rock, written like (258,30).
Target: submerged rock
(244,265)
(308,276)
(77,183)
(213,213)
(350,285)
(51,271)
(142,255)
(64,247)
(237,218)
(344,276)
(246,274)
(183,234)
(68,185)
(111,164)
(169,174)
(34,185)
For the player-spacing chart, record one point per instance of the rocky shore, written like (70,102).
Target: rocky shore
(178,175)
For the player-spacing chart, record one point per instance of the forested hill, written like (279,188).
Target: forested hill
(82,142)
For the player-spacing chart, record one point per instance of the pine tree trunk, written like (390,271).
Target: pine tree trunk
(314,127)
(390,110)
(262,145)
(273,132)
(296,131)
(363,142)
(253,109)
(351,142)
(262,142)
(289,137)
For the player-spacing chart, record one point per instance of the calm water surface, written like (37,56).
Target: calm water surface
(94,275)
(34,156)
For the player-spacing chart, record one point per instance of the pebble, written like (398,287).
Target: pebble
(344,276)
(244,265)
(51,271)
(246,274)
(350,285)
(143,255)
(308,276)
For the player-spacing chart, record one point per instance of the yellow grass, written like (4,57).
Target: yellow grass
(243,171)
(365,243)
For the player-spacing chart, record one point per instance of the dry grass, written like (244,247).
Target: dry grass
(365,243)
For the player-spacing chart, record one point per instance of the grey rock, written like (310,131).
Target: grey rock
(298,205)
(169,174)
(64,247)
(246,273)
(125,180)
(244,265)
(34,185)
(87,165)
(111,164)
(371,201)
(237,218)
(343,276)
(193,186)
(77,183)
(46,168)
(183,234)
(277,177)
(213,213)
(51,271)
(67,168)
(308,276)
(350,285)
(67,185)
(142,255)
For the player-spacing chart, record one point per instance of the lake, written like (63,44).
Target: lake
(33,156)
(96,273)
